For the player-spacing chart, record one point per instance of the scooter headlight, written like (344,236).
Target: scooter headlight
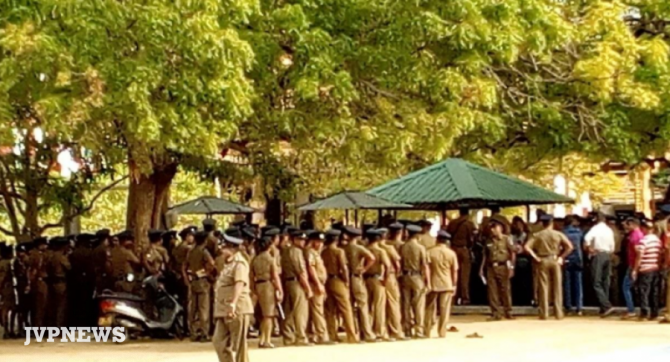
(130,278)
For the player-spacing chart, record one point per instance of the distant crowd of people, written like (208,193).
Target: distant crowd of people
(392,281)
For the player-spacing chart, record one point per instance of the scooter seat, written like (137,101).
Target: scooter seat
(122,296)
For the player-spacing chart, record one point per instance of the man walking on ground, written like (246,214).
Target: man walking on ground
(572,272)
(635,236)
(646,271)
(599,242)
(549,248)
(444,275)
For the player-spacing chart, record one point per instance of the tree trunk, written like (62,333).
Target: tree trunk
(147,202)
(273,211)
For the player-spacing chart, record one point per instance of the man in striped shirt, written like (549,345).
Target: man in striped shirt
(647,266)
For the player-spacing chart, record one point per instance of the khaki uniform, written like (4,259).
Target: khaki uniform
(296,305)
(498,253)
(338,301)
(101,259)
(155,259)
(199,303)
(462,232)
(426,240)
(179,254)
(7,301)
(374,280)
(356,255)
(121,261)
(316,303)
(39,290)
(263,268)
(57,267)
(443,264)
(413,288)
(393,308)
(547,245)
(230,332)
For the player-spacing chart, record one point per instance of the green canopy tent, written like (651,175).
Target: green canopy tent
(352,200)
(455,183)
(211,205)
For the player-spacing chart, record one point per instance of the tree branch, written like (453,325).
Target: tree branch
(100,192)
(6,232)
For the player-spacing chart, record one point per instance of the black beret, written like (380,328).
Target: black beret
(411,228)
(169,235)
(232,240)
(155,235)
(85,238)
(59,241)
(352,231)
(443,235)
(189,230)
(40,241)
(201,236)
(209,222)
(396,226)
(126,235)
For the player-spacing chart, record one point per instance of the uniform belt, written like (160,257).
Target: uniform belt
(411,272)
(547,256)
(368,276)
(330,276)
(261,281)
(290,279)
(356,275)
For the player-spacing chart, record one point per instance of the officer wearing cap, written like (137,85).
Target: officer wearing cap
(393,308)
(58,265)
(81,284)
(395,235)
(209,226)
(317,280)
(443,264)
(198,266)
(463,232)
(122,262)
(360,259)
(154,257)
(266,284)
(424,238)
(549,248)
(498,267)
(7,301)
(100,256)
(338,301)
(179,254)
(298,292)
(376,277)
(38,282)
(232,304)
(414,283)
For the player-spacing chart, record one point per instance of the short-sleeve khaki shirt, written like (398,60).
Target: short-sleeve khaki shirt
(235,270)
(442,261)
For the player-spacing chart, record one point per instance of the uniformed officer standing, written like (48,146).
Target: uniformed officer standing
(58,266)
(338,301)
(443,264)
(360,259)
(393,308)
(209,226)
(424,238)
(376,277)
(414,283)
(298,292)
(463,232)
(100,258)
(81,284)
(7,301)
(179,254)
(21,274)
(268,289)
(317,280)
(39,291)
(154,257)
(498,268)
(198,266)
(549,248)
(122,262)
(232,304)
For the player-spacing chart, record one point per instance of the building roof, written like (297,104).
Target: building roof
(455,183)
(352,200)
(211,205)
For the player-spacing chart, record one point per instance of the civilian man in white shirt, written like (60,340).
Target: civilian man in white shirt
(599,244)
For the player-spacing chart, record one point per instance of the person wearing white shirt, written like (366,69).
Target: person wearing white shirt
(599,243)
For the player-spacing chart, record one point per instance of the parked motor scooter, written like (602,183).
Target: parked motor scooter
(126,310)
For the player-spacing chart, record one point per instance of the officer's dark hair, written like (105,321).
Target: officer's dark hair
(200,237)
(633,220)
(463,211)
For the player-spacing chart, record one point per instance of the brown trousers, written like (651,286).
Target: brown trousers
(199,307)
(39,297)
(551,281)
(413,292)
(393,308)
(338,302)
(230,338)
(440,301)
(58,301)
(317,318)
(499,290)
(377,294)
(296,310)
(464,270)
(360,293)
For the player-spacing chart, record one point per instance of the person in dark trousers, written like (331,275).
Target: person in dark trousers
(574,264)
(599,243)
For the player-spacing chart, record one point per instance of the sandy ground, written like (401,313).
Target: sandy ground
(573,339)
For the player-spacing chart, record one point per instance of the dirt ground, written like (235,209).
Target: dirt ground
(527,339)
